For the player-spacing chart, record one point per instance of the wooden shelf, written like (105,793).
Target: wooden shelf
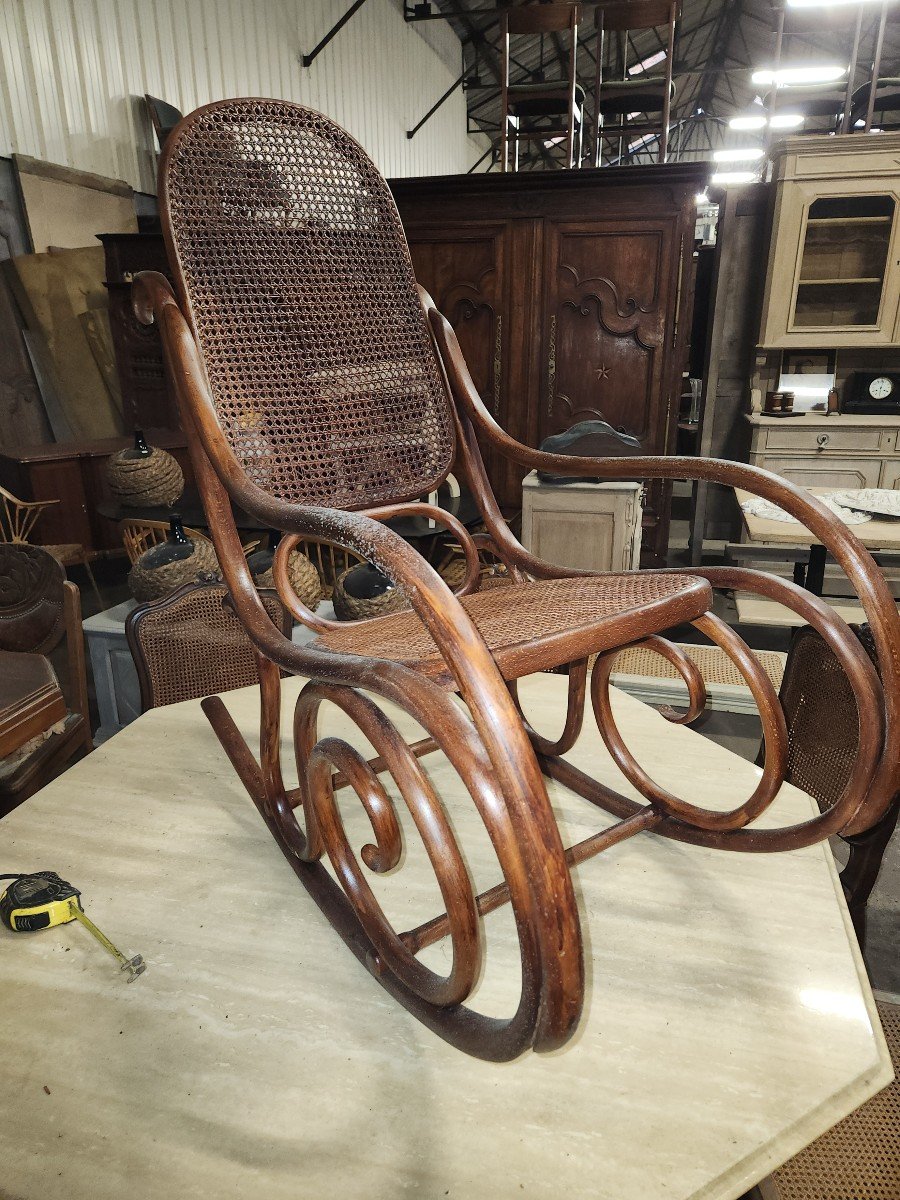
(866,279)
(849,220)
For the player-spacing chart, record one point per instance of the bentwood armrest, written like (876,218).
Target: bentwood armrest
(857,563)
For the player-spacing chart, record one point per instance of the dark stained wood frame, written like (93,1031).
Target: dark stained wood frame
(500,760)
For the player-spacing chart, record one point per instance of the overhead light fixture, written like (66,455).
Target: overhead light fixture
(797,76)
(702,197)
(787,121)
(825,3)
(743,154)
(725,177)
(760,121)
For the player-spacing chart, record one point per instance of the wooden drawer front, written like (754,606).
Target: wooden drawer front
(824,472)
(890,476)
(824,166)
(854,440)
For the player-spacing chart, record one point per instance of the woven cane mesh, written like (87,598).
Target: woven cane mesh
(194,646)
(510,616)
(303,298)
(714,664)
(822,719)
(860,1158)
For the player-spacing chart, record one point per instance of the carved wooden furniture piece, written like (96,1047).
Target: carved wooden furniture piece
(38,608)
(191,644)
(639,101)
(326,405)
(571,295)
(540,110)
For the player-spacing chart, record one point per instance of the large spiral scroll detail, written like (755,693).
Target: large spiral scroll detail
(317,762)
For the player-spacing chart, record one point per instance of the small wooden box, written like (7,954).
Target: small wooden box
(595,526)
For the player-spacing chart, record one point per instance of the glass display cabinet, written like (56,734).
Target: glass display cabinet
(834,262)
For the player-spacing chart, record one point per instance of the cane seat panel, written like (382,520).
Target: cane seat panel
(534,626)
(298,281)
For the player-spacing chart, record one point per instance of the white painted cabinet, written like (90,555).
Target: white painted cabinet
(595,526)
(834,264)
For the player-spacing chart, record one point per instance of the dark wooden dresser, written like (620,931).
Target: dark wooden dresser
(571,293)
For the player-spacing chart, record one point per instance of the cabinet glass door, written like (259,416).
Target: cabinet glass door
(843,262)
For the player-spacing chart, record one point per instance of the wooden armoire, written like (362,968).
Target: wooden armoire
(571,293)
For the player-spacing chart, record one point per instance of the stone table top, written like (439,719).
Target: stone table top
(728,1021)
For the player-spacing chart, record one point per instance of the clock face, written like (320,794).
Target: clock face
(880,388)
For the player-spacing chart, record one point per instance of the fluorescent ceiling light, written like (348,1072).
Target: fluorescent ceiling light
(824,3)
(760,121)
(797,76)
(725,177)
(743,154)
(787,121)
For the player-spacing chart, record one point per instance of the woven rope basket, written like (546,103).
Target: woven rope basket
(155,582)
(303,576)
(355,608)
(148,482)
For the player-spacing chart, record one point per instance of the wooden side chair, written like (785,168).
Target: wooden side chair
(321,392)
(191,644)
(823,741)
(540,111)
(633,103)
(38,608)
(17,521)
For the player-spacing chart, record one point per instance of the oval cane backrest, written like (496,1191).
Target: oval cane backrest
(295,273)
(821,714)
(192,644)
(32,617)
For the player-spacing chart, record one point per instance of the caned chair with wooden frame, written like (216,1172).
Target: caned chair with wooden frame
(540,110)
(191,644)
(320,391)
(17,521)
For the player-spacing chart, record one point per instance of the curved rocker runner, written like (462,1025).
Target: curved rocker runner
(322,392)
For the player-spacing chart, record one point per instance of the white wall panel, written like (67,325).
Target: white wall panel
(73,74)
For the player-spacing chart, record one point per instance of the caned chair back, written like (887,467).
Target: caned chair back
(191,644)
(821,714)
(296,276)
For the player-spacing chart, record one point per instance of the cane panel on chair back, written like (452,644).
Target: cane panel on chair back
(298,280)
(822,720)
(191,644)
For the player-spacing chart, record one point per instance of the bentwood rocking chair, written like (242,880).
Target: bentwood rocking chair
(320,391)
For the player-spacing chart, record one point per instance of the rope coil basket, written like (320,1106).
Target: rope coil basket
(144,480)
(302,573)
(148,581)
(360,608)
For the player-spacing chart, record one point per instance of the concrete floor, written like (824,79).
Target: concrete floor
(738,732)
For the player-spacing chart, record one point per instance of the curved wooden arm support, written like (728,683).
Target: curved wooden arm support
(879,704)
